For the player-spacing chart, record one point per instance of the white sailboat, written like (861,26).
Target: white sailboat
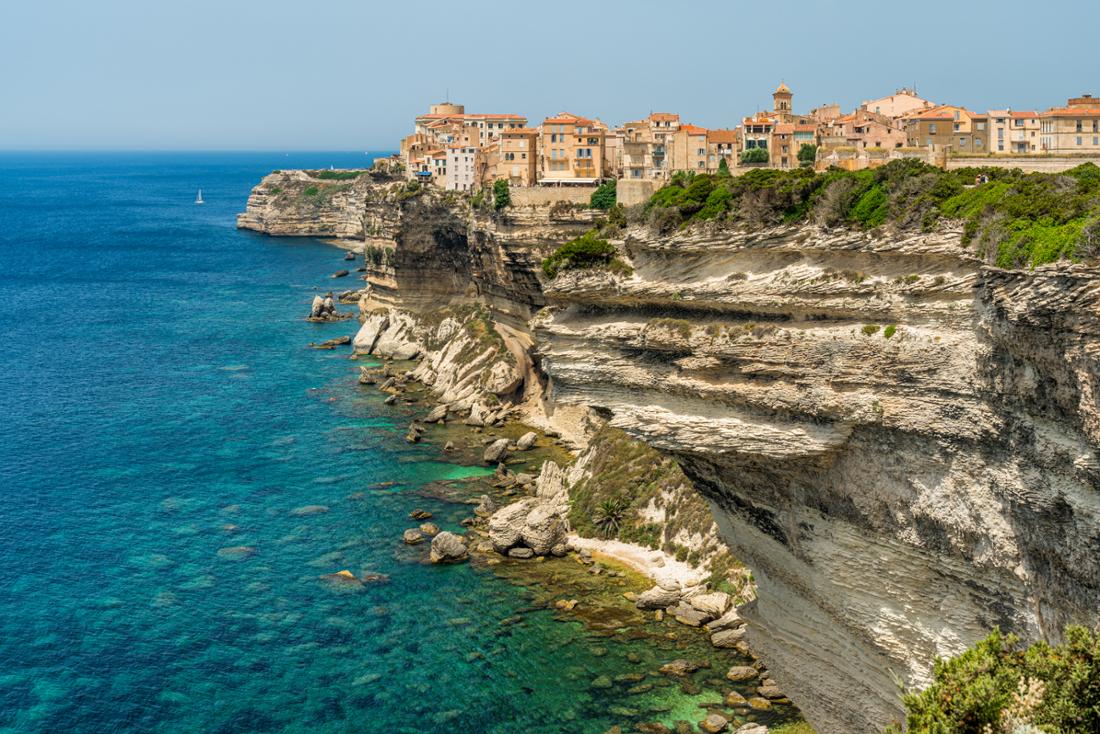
(198,199)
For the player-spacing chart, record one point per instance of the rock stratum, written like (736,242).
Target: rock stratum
(901,443)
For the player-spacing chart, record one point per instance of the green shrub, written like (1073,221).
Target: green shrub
(807,154)
(754,155)
(311,191)
(586,251)
(869,329)
(889,331)
(604,196)
(609,516)
(1014,220)
(996,686)
(723,168)
(338,175)
(501,195)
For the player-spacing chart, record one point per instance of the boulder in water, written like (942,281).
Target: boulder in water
(496,451)
(448,548)
(526,441)
(412,536)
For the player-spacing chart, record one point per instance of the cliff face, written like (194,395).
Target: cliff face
(901,444)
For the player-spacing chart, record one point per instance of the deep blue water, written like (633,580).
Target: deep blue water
(157,406)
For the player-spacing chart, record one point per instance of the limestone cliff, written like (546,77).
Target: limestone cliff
(900,443)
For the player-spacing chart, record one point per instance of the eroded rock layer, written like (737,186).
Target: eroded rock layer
(900,443)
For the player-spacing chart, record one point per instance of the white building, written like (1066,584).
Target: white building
(461,167)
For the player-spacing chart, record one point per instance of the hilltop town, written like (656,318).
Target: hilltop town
(460,151)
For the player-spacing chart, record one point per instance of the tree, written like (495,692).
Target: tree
(807,154)
(501,195)
(723,168)
(754,155)
(604,196)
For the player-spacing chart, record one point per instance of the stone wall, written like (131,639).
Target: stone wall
(629,192)
(1026,163)
(547,195)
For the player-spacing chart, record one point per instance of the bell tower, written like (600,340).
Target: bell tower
(782,97)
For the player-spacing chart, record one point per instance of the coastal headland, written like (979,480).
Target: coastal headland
(840,451)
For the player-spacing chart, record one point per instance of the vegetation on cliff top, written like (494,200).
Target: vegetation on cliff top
(584,252)
(604,196)
(997,686)
(1012,220)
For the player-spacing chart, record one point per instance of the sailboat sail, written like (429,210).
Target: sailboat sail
(198,199)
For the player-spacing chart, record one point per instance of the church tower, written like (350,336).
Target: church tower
(782,97)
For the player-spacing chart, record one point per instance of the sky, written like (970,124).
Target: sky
(352,74)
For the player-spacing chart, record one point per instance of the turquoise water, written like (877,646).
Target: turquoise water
(161,422)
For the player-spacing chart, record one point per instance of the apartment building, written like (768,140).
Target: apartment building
(461,167)
(517,159)
(647,146)
(1013,133)
(572,149)
(1073,129)
(688,149)
(862,130)
(902,103)
(787,139)
(950,127)
(722,145)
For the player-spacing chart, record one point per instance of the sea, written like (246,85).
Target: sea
(178,471)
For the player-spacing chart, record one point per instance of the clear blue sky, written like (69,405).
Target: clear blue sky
(351,74)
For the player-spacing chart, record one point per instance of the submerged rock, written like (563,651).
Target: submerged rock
(429,528)
(714,723)
(742,673)
(412,536)
(309,510)
(681,667)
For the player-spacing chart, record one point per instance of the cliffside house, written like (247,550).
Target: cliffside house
(461,167)
(722,145)
(517,156)
(689,149)
(1073,129)
(572,149)
(646,146)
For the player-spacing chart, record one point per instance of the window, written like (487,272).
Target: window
(1080,124)
(1095,140)
(977,142)
(1000,133)
(957,127)
(1078,139)
(1000,146)
(962,142)
(981,126)
(931,128)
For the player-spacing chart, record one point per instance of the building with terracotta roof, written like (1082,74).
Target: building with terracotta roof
(722,145)
(948,127)
(572,149)
(787,140)
(1073,129)
(1013,132)
(688,149)
(901,103)
(862,130)
(647,146)
(518,156)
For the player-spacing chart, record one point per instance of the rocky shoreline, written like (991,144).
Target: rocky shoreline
(519,528)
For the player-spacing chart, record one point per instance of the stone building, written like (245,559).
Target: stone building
(949,127)
(1013,133)
(1073,129)
(572,150)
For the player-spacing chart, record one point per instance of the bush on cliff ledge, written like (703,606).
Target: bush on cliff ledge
(997,686)
(604,196)
(586,251)
(502,197)
(1012,220)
